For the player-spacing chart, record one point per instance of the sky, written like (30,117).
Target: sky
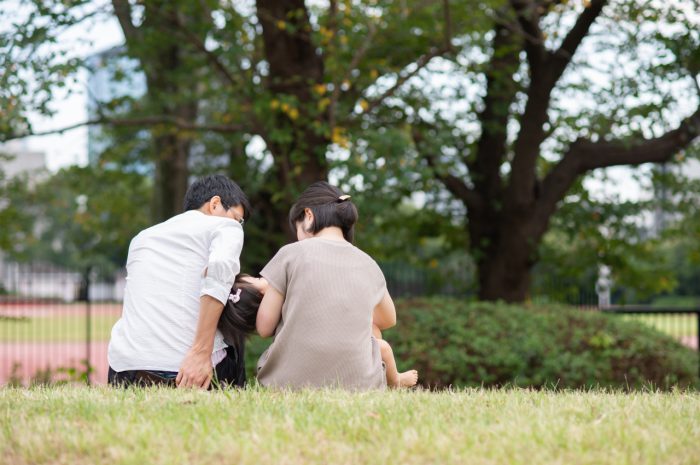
(71,147)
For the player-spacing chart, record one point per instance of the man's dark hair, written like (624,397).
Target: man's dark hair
(238,318)
(203,189)
(329,206)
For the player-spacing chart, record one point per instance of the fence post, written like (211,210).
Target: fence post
(88,324)
(697,338)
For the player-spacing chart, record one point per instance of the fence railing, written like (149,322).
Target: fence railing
(681,323)
(48,334)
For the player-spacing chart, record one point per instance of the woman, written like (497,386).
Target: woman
(324,296)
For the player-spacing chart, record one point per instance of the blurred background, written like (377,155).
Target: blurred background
(536,153)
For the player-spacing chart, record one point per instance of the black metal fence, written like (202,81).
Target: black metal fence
(683,324)
(55,324)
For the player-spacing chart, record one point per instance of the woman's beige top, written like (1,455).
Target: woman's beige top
(324,337)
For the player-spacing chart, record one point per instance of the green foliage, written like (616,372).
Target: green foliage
(392,74)
(457,343)
(78,217)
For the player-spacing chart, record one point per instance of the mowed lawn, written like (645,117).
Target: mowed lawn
(675,325)
(74,425)
(59,328)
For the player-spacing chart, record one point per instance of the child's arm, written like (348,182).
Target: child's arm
(269,312)
(384,315)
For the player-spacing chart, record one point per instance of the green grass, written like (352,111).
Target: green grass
(679,325)
(86,426)
(62,328)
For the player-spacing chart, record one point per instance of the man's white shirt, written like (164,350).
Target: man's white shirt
(169,267)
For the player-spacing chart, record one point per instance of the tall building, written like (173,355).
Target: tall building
(112,75)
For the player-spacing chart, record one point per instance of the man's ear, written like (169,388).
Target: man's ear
(213,203)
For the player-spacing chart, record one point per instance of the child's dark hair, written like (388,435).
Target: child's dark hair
(203,189)
(329,206)
(238,318)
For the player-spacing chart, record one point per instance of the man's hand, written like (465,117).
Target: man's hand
(195,371)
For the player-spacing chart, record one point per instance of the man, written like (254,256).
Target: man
(179,275)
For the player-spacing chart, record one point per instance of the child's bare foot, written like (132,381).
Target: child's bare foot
(408,378)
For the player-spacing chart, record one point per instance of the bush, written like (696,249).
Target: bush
(458,343)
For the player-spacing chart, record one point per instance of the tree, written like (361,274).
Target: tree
(532,146)
(77,218)
(286,72)
(346,86)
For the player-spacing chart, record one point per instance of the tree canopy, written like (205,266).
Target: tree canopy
(487,113)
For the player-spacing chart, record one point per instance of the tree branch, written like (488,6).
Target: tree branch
(420,63)
(471,199)
(359,55)
(543,78)
(561,58)
(584,156)
(528,18)
(500,93)
(122,9)
(178,123)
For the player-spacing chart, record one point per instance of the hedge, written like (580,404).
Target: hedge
(460,343)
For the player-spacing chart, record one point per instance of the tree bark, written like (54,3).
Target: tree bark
(508,215)
(295,67)
(171,81)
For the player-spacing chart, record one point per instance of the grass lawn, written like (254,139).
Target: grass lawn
(678,325)
(86,426)
(60,328)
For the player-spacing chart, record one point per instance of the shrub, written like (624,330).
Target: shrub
(458,343)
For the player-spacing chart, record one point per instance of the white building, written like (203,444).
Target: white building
(17,160)
(112,75)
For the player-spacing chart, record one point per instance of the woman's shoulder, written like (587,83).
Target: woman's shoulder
(289,249)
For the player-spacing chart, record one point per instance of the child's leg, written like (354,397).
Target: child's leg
(393,377)
(376,332)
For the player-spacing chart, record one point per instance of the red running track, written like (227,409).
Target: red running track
(34,357)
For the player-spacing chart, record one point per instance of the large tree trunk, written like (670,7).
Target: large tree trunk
(295,67)
(171,175)
(505,257)
(504,277)
(171,79)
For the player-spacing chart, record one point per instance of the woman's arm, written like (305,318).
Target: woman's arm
(384,315)
(269,312)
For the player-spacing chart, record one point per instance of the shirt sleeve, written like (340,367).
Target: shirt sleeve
(380,284)
(277,271)
(224,260)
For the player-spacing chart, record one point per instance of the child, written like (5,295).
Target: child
(394,379)
(238,318)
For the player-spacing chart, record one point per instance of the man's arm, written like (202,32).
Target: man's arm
(222,268)
(196,369)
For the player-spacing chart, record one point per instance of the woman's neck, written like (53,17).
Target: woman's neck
(332,232)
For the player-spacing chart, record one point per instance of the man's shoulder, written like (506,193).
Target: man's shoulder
(197,222)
